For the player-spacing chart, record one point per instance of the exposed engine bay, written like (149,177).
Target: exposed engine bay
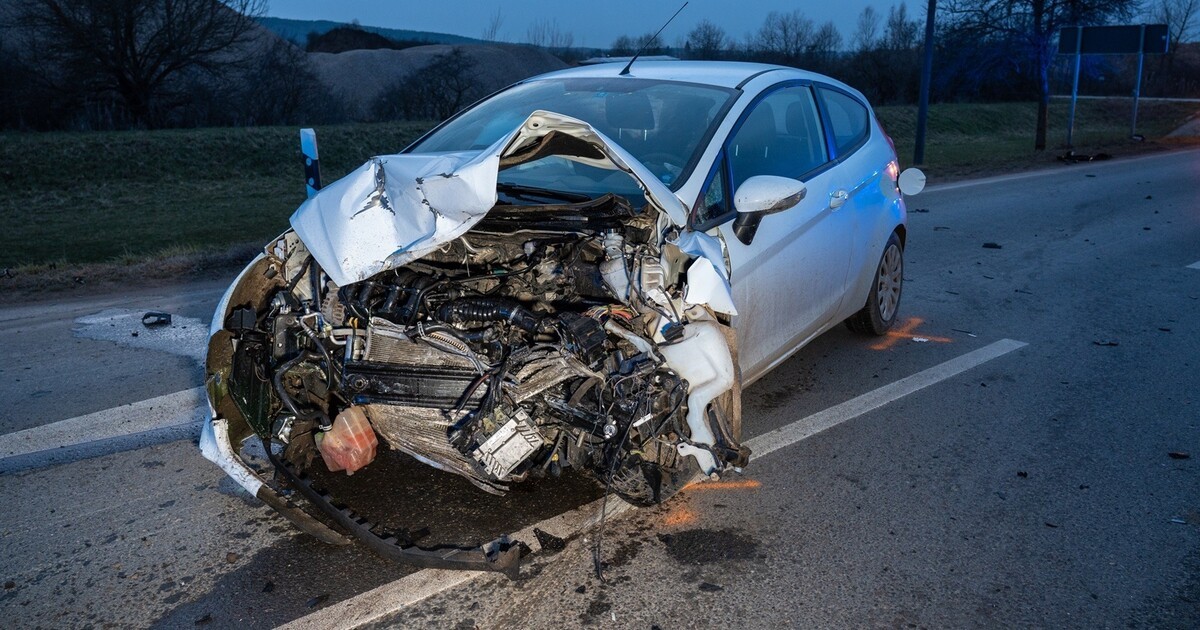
(493,331)
(540,340)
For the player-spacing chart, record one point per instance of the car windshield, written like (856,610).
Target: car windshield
(663,124)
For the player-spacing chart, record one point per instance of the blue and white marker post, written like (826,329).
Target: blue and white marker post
(312,164)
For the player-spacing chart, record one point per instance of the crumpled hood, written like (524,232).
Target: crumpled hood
(397,208)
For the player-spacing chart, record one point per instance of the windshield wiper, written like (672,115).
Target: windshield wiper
(517,191)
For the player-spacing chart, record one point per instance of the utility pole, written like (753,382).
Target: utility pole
(926,72)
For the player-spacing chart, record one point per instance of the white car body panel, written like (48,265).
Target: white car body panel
(397,208)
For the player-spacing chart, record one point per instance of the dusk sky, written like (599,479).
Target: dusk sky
(595,23)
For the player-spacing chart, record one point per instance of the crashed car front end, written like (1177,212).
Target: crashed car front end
(409,309)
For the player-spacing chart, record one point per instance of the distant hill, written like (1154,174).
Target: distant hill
(297,31)
(357,77)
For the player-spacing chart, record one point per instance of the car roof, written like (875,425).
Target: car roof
(726,74)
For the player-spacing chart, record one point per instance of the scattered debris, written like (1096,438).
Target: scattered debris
(1023,291)
(549,542)
(710,588)
(133,334)
(1071,157)
(965,332)
(1022,474)
(1179,520)
(581,589)
(989,277)
(231,557)
(1105,343)
(156,318)
(200,621)
(318,600)
(991,245)
(920,339)
(1050,525)
(1162,329)
(1149,196)
(923,210)
(952,292)
(1178,455)
(10,585)
(1147,229)
(268,587)
(8,273)
(1084,486)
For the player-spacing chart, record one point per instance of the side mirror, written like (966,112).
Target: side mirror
(768,194)
(911,181)
(762,195)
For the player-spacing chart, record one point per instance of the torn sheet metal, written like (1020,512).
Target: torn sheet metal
(708,286)
(398,208)
(708,277)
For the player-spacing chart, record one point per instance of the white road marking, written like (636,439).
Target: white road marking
(411,589)
(182,408)
(1195,265)
(772,441)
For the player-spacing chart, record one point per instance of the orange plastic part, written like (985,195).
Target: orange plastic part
(350,444)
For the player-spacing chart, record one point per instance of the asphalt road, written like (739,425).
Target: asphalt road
(1035,488)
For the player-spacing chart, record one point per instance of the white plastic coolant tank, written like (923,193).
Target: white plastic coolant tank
(701,357)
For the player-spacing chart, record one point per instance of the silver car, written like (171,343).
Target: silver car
(581,271)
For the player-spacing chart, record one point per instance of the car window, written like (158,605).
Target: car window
(714,203)
(848,119)
(781,136)
(664,124)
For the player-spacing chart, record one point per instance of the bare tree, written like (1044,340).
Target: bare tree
(706,41)
(492,30)
(1181,18)
(436,92)
(900,33)
(826,42)
(1026,31)
(623,46)
(867,32)
(784,36)
(135,49)
(545,33)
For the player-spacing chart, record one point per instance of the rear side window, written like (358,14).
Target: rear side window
(848,118)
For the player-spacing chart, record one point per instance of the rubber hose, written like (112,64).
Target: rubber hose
(489,309)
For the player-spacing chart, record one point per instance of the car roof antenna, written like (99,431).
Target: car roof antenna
(647,43)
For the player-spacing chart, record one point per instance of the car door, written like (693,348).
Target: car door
(859,172)
(789,279)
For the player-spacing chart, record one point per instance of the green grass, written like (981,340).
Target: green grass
(86,197)
(971,139)
(68,198)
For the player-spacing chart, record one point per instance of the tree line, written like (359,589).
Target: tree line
(105,64)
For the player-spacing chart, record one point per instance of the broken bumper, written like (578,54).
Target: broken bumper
(500,555)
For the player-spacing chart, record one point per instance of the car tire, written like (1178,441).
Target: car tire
(883,302)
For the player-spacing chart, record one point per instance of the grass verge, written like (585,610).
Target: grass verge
(82,208)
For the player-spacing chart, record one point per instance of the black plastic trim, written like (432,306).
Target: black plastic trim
(500,555)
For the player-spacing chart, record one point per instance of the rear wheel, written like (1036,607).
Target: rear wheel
(883,302)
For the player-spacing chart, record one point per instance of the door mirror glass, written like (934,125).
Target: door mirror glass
(911,181)
(768,194)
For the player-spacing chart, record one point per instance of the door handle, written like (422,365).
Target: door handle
(837,199)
